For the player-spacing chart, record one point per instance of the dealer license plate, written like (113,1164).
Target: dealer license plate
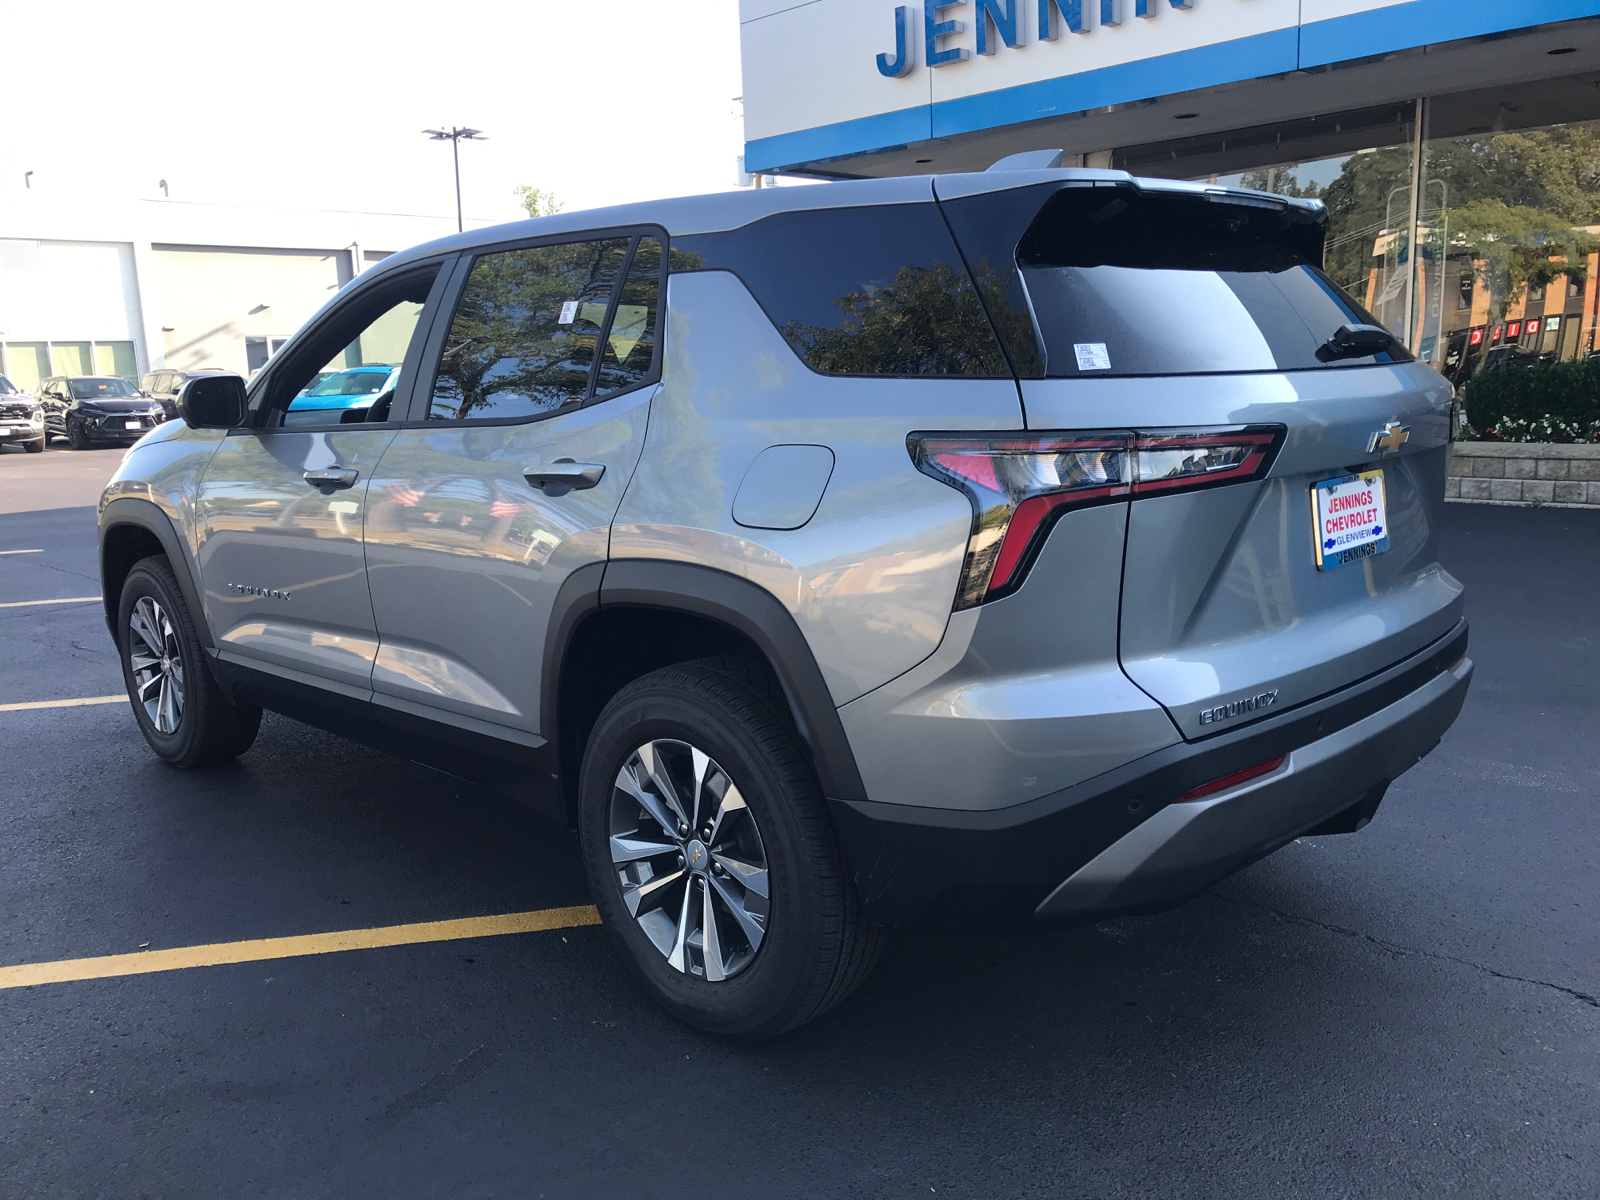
(135,424)
(1352,519)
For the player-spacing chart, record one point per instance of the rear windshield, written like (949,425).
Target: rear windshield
(1129,283)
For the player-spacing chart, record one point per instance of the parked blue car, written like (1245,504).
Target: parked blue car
(345,396)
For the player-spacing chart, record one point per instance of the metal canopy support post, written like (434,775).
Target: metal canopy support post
(1413,332)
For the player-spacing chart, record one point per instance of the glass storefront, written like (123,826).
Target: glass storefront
(1468,223)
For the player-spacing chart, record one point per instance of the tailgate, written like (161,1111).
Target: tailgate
(1226,616)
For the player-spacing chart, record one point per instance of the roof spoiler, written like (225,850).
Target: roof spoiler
(1030,160)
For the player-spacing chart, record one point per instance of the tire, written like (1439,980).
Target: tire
(193,724)
(34,447)
(814,945)
(76,435)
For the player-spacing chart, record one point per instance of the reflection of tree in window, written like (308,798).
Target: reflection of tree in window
(631,340)
(524,333)
(925,321)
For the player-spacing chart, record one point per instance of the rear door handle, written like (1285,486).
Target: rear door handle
(564,475)
(333,478)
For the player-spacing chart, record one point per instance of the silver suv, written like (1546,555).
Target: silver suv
(1040,543)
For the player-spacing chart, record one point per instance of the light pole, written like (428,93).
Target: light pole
(455,136)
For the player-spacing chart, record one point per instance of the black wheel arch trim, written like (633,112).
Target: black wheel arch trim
(144,514)
(756,614)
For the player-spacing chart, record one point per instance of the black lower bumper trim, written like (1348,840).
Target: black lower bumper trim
(904,858)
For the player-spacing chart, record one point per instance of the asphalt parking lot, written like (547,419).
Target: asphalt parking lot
(1411,1011)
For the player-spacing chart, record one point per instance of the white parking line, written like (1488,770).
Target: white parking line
(21,551)
(63,600)
(63,703)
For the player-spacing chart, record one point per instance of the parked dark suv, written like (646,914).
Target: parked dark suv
(1040,543)
(96,409)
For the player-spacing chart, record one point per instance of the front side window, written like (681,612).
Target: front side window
(524,336)
(875,290)
(348,368)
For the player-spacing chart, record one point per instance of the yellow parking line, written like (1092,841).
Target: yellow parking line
(21,551)
(61,703)
(64,600)
(113,965)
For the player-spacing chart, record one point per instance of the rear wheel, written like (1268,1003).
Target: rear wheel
(76,434)
(711,854)
(180,709)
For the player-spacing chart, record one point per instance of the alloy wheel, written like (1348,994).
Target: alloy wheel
(156,664)
(689,859)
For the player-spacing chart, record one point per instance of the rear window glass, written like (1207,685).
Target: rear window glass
(1124,283)
(875,290)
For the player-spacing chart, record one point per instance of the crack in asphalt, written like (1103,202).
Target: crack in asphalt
(1411,951)
(95,579)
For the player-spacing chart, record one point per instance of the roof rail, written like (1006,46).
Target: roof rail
(1030,160)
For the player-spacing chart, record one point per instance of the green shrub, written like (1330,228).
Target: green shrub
(1554,402)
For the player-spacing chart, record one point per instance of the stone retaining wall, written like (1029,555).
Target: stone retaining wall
(1524,473)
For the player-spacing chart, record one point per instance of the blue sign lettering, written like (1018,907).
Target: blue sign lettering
(1071,16)
(936,29)
(901,64)
(996,21)
(997,16)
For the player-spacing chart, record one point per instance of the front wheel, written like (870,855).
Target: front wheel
(180,709)
(711,855)
(34,447)
(77,436)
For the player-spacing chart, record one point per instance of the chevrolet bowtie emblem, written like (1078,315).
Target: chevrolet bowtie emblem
(1389,439)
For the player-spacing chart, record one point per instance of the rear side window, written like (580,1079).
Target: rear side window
(523,338)
(629,353)
(547,328)
(877,290)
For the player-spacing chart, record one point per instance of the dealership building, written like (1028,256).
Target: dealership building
(1456,143)
(106,287)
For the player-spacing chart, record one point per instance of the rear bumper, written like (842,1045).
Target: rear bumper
(1122,842)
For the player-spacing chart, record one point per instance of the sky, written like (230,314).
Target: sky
(320,104)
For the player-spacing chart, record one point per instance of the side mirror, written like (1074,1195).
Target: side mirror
(213,402)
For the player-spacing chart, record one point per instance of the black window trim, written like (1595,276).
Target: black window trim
(1010,374)
(422,395)
(259,390)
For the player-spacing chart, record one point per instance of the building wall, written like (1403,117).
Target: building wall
(69,306)
(215,297)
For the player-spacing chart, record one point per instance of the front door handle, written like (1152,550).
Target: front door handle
(564,475)
(333,478)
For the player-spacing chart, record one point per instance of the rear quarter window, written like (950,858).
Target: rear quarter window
(875,290)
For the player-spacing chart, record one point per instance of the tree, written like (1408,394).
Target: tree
(536,201)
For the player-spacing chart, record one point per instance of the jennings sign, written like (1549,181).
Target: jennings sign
(994,22)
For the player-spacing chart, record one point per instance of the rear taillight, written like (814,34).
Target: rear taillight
(1020,484)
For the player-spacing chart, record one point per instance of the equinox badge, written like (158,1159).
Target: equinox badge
(1234,708)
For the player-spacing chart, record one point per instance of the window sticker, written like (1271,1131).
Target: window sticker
(569,313)
(1092,356)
